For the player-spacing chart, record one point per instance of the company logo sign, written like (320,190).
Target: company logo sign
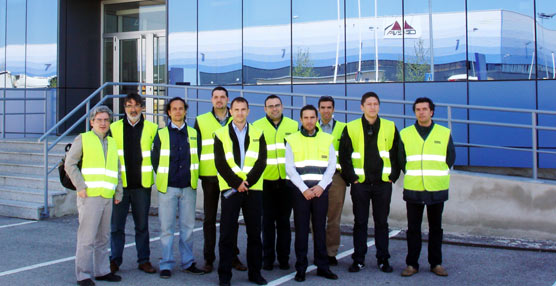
(411,29)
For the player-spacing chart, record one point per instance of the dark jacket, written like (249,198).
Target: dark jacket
(373,163)
(427,198)
(132,152)
(179,175)
(224,169)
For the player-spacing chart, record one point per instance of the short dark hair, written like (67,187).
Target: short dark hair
(135,97)
(272,96)
(239,99)
(367,95)
(424,99)
(308,107)
(325,99)
(185,105)
(219,88)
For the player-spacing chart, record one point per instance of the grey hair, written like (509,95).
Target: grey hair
(100,109)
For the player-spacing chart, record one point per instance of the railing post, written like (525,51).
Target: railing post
(241,93)
(87,107)
(45,212)
(534,147)
(4,114)
(45,111)
(450,117)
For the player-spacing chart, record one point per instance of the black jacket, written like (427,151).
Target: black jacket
(224,169)
(373,163)
(427,198)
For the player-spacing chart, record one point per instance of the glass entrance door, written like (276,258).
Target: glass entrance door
(134,49)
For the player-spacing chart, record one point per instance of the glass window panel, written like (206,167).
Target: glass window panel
(182,41)
(42,39)
(256,101)
(501,39)
(374,51)
(546,39)
(3,74)
(220,42)
(15,43)
(318,42)
(266,42)
(434,40)
(513,94)
(135,16)
(546,138)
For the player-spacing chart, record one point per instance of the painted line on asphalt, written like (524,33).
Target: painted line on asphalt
(290,276)
(17,224)
(52,262)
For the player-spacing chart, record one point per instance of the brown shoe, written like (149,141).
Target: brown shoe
(147,268)
(114,267)
(409,271)
(238,265)
(439,270)
(208,267)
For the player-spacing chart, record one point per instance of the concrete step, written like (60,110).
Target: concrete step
(32,195)
(31,145)
(29,181)
(26,210)
(30,157)
(25,168)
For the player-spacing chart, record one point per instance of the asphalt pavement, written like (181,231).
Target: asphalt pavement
(42,253)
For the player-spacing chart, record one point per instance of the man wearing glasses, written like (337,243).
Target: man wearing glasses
(368,152)
(134,137)
(277,206)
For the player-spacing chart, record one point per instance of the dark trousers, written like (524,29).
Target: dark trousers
(140,202)
(362,195)
(310,211)
(250,203)
(211,195)
(277,209)
(414,220)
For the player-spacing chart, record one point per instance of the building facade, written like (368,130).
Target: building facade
(492,53)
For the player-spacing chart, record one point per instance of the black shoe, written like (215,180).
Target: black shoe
(384,266)
(332,261)
(222,283)
(110,277)
(356,267)
(268,267)
(86,282)
(299,276)
(165,274)
(194,270)
(258,280)
(327,274)
(284,266)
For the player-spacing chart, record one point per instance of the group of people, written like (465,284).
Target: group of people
(265,169)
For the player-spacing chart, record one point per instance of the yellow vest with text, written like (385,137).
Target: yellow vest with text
(207,125)
(275,147)
(164,161)
(310,155)
(100,173)
(336,135)
(147,137)
(251,155)
(384,142)
(426,168)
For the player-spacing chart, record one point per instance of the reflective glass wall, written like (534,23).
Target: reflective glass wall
(28,65)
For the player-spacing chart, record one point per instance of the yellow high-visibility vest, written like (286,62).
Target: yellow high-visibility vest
(310,155)
(100,174)
(207,125)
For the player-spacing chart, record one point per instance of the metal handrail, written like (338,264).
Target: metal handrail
(449,119)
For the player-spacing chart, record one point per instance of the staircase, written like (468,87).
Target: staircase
(21,180)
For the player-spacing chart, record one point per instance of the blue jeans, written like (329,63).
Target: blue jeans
(169,203)
(140,201)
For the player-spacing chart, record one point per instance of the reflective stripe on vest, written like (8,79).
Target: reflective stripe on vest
(251,155)
(100,174)
(384,142)
(164,160)
(275,147)
(336,135)
(147,137)
(310,155)
(207,125)
(426,168)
